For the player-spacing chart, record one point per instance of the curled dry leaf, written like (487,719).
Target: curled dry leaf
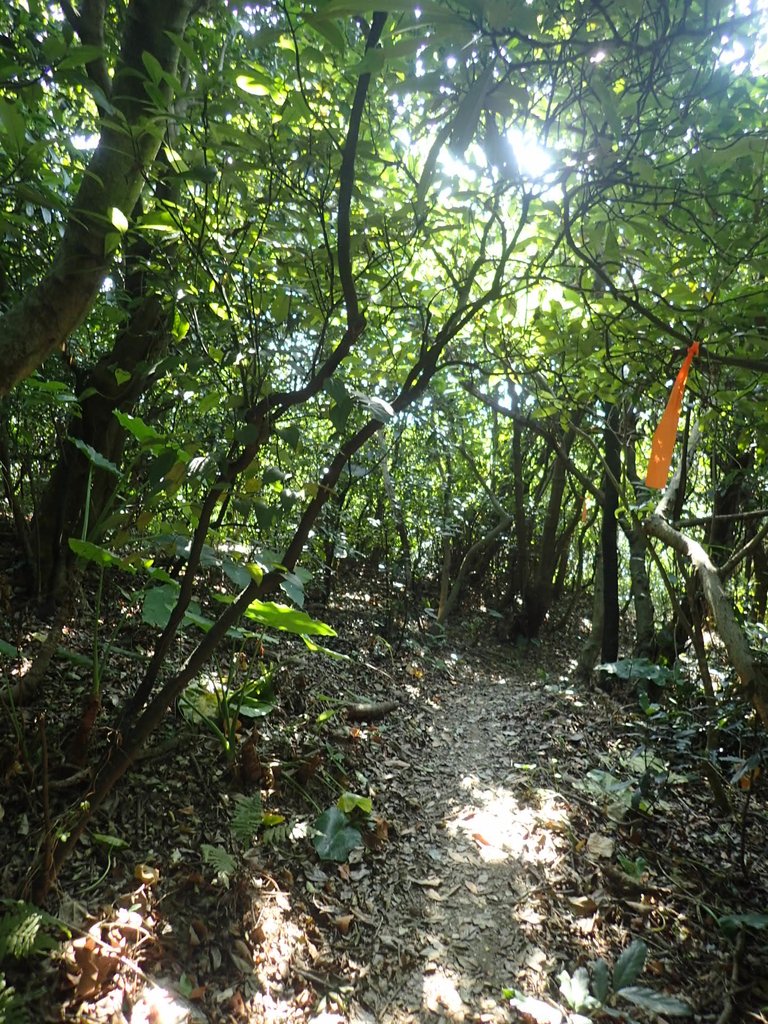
(146,874)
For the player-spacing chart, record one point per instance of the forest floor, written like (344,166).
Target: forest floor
(502,852)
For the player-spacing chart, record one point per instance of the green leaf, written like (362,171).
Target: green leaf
(601,980)
(291,435)
(106,840)
(158,605)
(136,426)
(637,668)
(293,587)
(731,923)
(13,127)
(94,457)
(77,56)
(629,965)
(153,66)
(348,802)
(248,817)
(265,514)
(94,553)
(8,650)
(118,219)
(253,86)
(319,649)
(656,1002)
(336,839)
(290,620)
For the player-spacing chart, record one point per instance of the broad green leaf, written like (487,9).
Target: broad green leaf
(158,605)
(13,127)
(291,435)
(250,707)
(94,553)
(293,587)
(656,1002)
(629,965)
(153,66)
(136,426)
(118,219)
(77,56)
(253,86)
(281,616)
(730,923)
(8,650)
(94,457)
(335,838)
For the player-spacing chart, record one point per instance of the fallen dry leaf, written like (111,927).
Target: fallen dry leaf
(343,921)
(600,846)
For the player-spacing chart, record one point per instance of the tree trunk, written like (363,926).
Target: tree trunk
(397,516)
(449,602)
(608,536)
(537,599)
(63,506)
(640,584)
(590,652)
(50,310)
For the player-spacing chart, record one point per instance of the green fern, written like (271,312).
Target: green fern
(223,863)
(12,1009)
(248,818)
(275,835)
(22,931)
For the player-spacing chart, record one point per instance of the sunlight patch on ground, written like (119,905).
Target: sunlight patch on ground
(442,997)
(501,828)
(160,1006)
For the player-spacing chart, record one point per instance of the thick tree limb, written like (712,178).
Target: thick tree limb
(753,681)
(130,137)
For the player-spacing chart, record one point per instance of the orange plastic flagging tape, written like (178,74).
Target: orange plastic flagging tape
(666,432)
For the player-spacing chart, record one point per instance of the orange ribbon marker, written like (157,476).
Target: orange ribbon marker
(666,432)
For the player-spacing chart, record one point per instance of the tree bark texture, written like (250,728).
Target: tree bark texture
(130,137)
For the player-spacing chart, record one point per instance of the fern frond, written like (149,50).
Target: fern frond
(275,835)
(222,862)
(12,1008)
(21,931)
(248,817)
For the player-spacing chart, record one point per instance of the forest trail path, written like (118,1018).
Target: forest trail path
(483,830)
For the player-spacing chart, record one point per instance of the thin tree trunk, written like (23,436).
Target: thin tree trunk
(608,536)
(397,515)
(450,601)
(590,652)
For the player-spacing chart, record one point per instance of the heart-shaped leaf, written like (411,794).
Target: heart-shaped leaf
(336,838)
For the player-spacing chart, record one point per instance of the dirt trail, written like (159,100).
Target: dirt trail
(483,836)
